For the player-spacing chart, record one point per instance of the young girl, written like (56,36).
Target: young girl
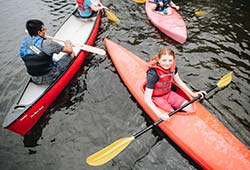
(160,75)
(164,6)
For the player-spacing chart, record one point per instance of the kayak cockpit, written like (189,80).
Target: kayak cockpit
(176,89)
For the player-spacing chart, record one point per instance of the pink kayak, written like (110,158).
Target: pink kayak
(172,24)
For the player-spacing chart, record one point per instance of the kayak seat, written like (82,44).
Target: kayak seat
(20,106)
(176,89)
(28,96)
(76,14)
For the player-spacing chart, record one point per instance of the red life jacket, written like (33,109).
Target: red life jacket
(164,83)
(81,5)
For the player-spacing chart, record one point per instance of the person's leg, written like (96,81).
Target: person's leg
(163,11)
(177,101)
(162,103)
(171,102)
(50,77)
(168,10)
(153,7)
(63,63)
(189,108)
(37,80)
(47,78)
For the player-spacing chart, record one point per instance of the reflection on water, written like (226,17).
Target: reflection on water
(96,108)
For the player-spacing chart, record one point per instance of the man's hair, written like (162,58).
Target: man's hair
(33,26)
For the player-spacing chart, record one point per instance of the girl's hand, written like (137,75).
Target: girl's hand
(161,115)
(200,93)
(177,7)
(105,8)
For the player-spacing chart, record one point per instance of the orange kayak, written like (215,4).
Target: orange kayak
(199,134)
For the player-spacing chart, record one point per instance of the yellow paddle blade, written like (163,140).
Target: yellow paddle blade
(111,16)
(200,13)
(225,80)
(140,1)
(109,152)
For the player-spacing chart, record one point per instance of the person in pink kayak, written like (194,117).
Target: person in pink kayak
(164,6)
(161,74)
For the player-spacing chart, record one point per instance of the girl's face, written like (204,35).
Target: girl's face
(166,61)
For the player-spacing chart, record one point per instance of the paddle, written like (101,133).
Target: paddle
(111,16)
(140,1)
(109,152)
(193,12)
(83,47)
(190,11)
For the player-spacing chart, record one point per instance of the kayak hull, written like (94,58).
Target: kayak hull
(199,134)
(171,25)
(36,99)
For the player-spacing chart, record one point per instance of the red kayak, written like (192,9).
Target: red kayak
(35,99)
(172,24)
(199,134)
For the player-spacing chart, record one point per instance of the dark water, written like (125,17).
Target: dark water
(96,108)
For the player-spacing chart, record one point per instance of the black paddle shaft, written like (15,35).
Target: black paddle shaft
(170,114)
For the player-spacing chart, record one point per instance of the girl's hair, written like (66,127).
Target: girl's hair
(164,51)
(33,26)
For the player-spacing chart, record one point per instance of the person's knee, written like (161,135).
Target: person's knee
(153,7)
(188,108)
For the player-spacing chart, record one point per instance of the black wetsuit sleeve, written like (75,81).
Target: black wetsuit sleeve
(152,78)
(176,70)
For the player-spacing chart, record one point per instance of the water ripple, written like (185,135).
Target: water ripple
(96,108)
